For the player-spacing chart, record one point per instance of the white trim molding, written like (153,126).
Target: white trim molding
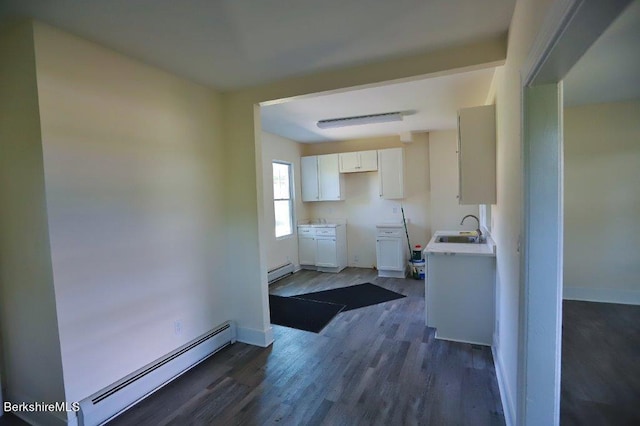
(568,30)
(602,295)
(251,336)
(508,406)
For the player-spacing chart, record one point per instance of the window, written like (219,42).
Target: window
(282,198)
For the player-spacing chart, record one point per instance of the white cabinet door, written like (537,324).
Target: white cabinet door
(389,254)
(368,161)
(461,297)
(477,155)
(307,250)
(326,252)
(309,178)
(349,162)
(361,161)
(329,178)
(391,173)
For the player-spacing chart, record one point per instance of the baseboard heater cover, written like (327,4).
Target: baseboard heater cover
(107,403)
(280,272)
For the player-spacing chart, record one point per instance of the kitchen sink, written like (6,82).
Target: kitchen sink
(459,239)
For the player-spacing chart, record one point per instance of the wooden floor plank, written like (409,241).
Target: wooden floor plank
(374,365)
(600,381)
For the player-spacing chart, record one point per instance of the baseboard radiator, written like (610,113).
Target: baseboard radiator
(107,403)
(280,272)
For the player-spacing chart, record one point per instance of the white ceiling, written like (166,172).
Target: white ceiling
(432,103)
(610,70)
(235,43)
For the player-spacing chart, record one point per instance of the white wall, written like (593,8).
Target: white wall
(446,213)
(602,202)
(284,249)
(363,208)
(32,366)
(135,173)
(507,212)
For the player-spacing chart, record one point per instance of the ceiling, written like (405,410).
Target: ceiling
(229,44)
(610,70)
(429,104)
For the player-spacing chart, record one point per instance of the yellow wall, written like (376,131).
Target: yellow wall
(32,368)
(284,249)
(507,212)
(135,175)
(602,202)
(446,211)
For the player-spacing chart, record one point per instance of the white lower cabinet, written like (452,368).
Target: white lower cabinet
(327,252)
(322,248)
(460,297)
(391,253)
(307,250)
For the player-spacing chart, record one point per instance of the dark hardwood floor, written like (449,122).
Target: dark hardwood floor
(375,365)
(600,383)
(381,365)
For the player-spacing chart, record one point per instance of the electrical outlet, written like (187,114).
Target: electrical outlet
(356,258)
(395,210)
(177,327)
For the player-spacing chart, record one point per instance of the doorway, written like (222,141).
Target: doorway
(571,28)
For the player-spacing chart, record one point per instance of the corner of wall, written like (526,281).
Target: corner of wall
(26,274)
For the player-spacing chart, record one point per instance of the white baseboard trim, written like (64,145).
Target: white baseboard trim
(251,336)
(38,417)
(505,395)
(604,295)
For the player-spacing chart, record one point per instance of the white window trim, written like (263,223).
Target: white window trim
(291,200)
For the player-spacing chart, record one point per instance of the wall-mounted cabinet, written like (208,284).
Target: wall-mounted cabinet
(361,161)
(321,178)
(391,173)
(477,155)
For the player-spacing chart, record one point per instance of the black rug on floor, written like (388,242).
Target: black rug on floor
(308,315)
(353,297)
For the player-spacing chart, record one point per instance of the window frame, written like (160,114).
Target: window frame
(290,199)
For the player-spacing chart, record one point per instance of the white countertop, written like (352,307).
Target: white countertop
(320,225)
(488,248)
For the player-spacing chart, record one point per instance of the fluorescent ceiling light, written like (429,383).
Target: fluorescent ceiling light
(360,119)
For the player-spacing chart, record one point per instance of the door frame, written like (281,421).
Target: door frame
(569,29)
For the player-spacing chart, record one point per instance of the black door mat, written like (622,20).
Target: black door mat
(308,315)
(353,297)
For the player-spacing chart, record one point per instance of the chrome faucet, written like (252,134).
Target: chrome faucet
(477,230)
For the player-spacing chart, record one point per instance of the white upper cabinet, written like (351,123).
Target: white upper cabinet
(391,173)
(477,155)
(361,161)
(321,179)
(309,178)
(329,179)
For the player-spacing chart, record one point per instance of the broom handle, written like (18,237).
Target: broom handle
(404,222)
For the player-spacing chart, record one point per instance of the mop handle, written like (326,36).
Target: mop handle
(404,222)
